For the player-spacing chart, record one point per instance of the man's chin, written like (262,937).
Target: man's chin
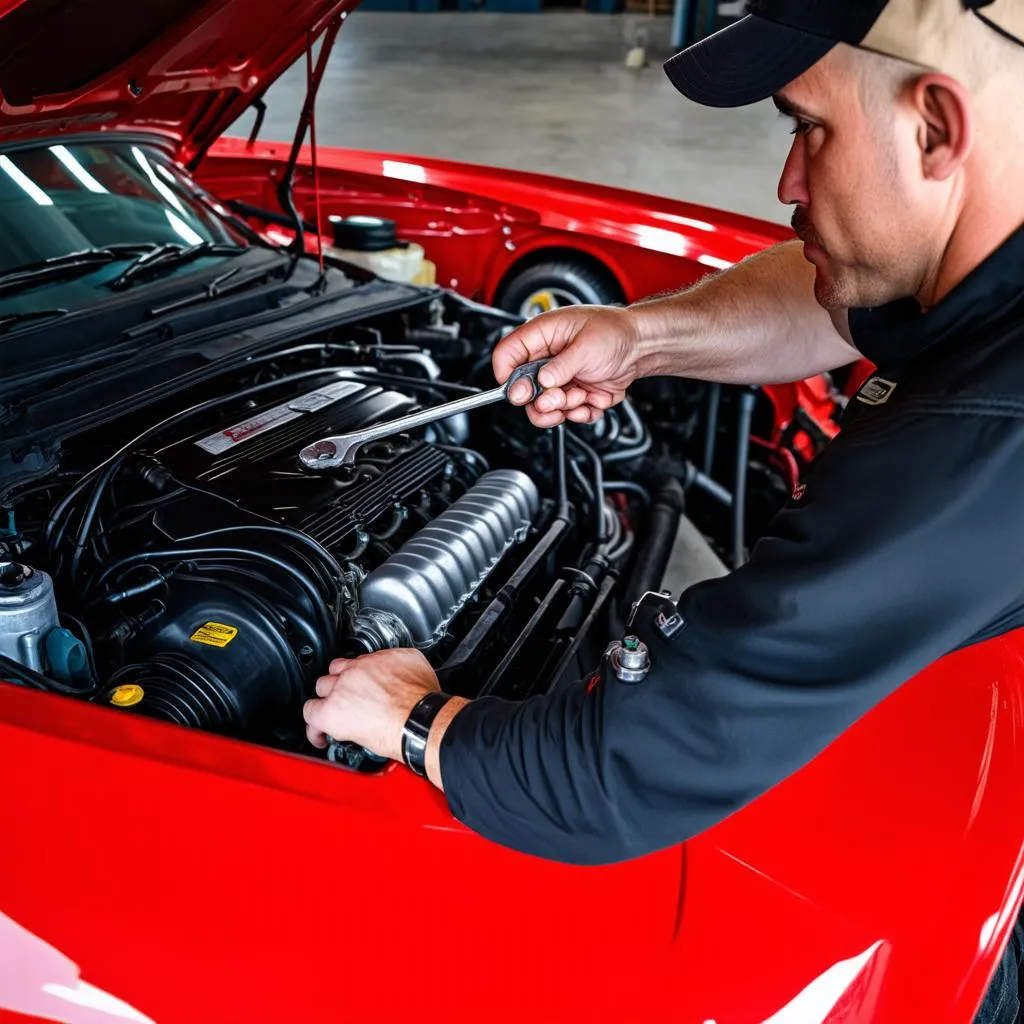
(827,292)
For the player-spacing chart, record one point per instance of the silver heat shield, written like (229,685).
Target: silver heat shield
(427,581)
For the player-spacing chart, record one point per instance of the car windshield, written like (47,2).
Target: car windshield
(60,199)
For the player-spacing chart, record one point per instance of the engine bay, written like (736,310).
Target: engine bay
(179,561)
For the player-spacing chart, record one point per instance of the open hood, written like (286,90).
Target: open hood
(183,69)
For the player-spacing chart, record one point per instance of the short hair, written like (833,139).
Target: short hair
(985,56)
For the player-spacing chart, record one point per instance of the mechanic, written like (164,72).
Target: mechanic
(905,542)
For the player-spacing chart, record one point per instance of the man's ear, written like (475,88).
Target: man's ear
(946,133)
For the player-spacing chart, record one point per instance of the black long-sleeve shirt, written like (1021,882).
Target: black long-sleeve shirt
(906,542)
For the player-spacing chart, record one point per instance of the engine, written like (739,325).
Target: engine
(180,562)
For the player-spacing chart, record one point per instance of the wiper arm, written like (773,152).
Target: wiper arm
(13,319)
(225,284)
(171,254)
(69,265)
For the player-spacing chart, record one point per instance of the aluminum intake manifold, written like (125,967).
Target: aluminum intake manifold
(411,598)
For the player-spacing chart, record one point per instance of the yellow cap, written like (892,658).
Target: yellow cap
(127,695)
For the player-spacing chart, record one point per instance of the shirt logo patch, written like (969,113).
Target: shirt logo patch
(799,491)
(877,391)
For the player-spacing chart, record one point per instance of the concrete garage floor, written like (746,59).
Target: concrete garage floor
(541,92)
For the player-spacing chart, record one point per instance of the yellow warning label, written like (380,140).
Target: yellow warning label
(127,695)
(214,634)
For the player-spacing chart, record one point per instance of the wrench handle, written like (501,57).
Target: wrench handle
(528,371)
(340,449)
(431,415)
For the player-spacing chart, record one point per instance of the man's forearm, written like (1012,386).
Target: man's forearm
(756,323)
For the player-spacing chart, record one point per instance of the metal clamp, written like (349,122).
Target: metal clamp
(667,620)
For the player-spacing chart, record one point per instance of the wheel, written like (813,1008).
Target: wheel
(547,286)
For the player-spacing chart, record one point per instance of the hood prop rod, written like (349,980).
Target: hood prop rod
(284,188)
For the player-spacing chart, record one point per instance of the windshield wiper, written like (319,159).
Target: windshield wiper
(170,254)
(225,284)
(70,264)
(13,319)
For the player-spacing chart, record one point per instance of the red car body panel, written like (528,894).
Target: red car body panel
(477,223)
(183,877)
(202,879)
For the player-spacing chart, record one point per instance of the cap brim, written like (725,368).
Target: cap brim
(745,62)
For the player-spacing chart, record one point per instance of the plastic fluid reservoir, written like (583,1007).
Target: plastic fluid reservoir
(373,243)
(28,612)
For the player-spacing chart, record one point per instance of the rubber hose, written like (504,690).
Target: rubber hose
(739,501)
(663,523)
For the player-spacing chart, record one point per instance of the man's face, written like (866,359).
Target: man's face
(869,225)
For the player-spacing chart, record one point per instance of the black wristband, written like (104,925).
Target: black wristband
(417,729)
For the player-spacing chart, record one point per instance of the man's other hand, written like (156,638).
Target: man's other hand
(367,700)
(594,353)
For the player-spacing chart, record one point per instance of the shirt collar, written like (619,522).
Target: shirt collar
(897,332)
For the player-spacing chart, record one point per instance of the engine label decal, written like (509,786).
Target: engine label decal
(223,440)
(214,634)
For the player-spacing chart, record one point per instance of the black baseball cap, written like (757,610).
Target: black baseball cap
(778,40)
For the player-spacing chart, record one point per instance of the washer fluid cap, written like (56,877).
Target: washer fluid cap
(365,234)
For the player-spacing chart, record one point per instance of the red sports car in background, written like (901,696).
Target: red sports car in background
(524,242)
(179,316)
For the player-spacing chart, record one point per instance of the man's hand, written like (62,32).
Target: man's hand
(367,700)
(595,357)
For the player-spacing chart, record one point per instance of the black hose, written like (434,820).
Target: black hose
(614,428)
(62,506)
(334,571)
(705,483)
(584,483)
(714,400)
(739,503)
(663,524)
(636,449)
(629,411)
(89,515)
(331,577)
(245,554)
(137,590)
(15,672)
(150,506)
(628,485)
(397,518)
(598,469)
(561,485)
(466,453)
(476,307)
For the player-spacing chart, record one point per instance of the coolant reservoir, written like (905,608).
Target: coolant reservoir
(373,243)
(28,613)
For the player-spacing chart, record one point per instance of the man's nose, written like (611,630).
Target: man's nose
(793,182)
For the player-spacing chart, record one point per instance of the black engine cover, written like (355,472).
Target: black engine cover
(253,460)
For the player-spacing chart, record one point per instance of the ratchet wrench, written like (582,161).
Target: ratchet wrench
(340,449)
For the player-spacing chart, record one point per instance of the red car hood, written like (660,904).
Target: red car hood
(184,69)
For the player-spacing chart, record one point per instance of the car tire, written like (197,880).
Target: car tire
(547,286)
